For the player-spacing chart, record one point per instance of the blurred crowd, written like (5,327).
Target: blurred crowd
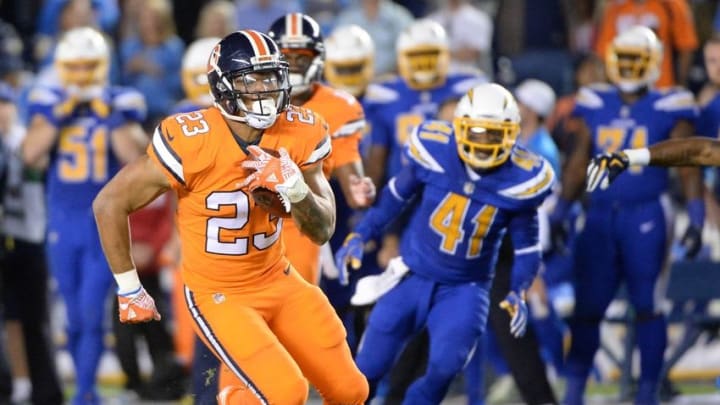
(543,50)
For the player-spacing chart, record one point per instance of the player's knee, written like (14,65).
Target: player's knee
(441,371)
(352,389)
(293,392)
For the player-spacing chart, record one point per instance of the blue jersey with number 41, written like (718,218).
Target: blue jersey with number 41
(456,229)
(82,160)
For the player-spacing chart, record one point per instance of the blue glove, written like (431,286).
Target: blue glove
(515,305)
(692,239)
(350,252)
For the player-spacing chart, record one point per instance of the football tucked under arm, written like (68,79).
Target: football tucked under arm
(269,200)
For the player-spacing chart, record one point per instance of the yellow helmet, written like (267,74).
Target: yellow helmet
(423,54)
(633,59)
(194,70)
(486,123)
(349,58)
(81,59)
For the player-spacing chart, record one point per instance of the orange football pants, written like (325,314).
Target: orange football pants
(184,336)
(302,252)
(273,336)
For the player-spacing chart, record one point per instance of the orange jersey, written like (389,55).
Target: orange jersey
(346,122)
(227,242)
(670,19)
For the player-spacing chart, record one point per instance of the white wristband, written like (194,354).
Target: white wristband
(298,191)
(128,282)
(638,157)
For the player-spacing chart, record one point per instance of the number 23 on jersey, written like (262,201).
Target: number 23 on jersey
(220,230)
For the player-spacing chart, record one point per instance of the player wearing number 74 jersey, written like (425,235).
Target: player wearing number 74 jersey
(625,235)
(259,317)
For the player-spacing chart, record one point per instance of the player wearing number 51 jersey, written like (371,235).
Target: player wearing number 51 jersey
(259,317)
(81,132)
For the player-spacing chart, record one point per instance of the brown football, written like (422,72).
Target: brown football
(270,201)
(267,199)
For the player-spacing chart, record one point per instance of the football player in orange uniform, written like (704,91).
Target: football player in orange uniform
(302,45)
(261,319)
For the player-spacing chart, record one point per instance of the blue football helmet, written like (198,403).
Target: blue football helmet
(298,33)
(248,78)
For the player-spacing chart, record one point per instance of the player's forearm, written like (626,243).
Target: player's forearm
(696,151)
(381,215)
(692,182)
(573,178)
(114,231)
(375,165)
(343,174)
(128,142)
(315,217)
(524,232)
(684,62)
(36,148)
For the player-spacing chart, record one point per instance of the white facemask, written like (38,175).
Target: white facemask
(629,86)
(262,113)
(297,81)
(84,93)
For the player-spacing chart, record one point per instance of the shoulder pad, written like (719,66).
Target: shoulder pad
(381,94)
(428,142)
(601,87)
(588,97)
(465,70)
(128,99)
(343,95)
(676,98)
(461,84)
(44,96)
(167,153)
(386,78)
(535,176)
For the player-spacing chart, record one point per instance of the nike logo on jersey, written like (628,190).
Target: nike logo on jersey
(646,227)
(287,271)
(168,136)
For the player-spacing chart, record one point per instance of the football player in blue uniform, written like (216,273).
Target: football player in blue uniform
(626,232)
(193,73)
(415,95)
(81,132)
(473,184)
(349,55)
